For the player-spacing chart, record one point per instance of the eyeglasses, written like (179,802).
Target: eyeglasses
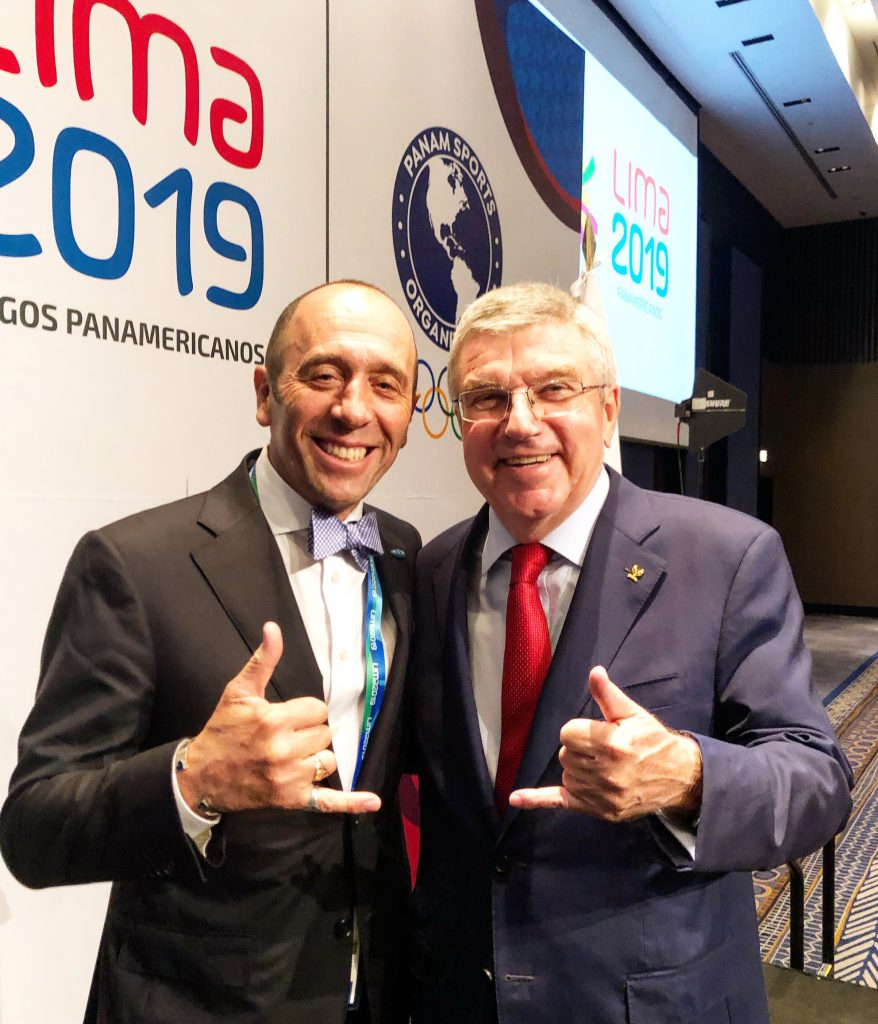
(548,399)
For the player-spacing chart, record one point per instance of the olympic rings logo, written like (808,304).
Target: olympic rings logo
(434,395)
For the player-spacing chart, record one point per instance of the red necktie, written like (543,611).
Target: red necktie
(525,663)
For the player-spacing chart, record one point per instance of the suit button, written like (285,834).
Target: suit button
(502,865)
(344,928)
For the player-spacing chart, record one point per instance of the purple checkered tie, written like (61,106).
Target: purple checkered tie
(327,535)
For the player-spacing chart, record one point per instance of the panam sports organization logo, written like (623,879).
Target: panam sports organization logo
(446,230)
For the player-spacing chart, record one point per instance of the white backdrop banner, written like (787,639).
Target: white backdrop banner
(162,195)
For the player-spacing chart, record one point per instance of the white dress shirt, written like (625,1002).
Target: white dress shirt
(486,614)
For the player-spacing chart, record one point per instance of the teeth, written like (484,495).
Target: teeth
(343,452)
(527,460)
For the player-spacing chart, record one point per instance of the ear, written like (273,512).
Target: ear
(612,401)
(415,396)
(263,396)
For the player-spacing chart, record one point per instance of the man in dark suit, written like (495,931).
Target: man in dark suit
(244,890)
(587,831)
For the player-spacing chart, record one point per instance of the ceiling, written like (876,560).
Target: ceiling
(742,89)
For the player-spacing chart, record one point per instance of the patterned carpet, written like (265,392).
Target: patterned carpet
(853,709)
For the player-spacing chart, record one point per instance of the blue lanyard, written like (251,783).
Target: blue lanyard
(376,662)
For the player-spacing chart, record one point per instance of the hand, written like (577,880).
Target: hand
(252,753)
(623,767)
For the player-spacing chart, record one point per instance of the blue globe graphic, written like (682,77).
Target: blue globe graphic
(435,244)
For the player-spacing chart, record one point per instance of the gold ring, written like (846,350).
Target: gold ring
(320,771)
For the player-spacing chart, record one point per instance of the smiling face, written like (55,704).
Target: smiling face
(533,472)
(340,407)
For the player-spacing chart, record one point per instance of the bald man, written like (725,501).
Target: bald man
(217,732)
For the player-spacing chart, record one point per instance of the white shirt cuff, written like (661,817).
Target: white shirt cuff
(195,826)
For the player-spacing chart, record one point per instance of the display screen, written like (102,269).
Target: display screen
(640,187)
(639,192)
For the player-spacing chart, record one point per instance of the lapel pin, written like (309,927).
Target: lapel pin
(397,552)
(634,573)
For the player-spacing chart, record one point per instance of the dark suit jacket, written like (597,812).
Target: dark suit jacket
(154,615)
(576,918)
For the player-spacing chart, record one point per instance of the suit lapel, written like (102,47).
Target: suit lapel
(606,603)
(395,575)
(460,724)
(242,565)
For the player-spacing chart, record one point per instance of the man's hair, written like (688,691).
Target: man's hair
(515,307)
(274,353)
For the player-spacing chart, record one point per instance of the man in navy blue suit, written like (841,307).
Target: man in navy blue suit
(595,795)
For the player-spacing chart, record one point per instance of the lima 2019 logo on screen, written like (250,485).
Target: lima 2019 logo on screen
(446,230)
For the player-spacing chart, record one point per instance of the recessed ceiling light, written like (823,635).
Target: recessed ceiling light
(828,149)
(835,170)
(757,39)
(798,102)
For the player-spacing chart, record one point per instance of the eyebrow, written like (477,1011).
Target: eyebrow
(541,377)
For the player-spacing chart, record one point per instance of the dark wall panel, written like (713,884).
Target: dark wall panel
(745,340)
(825,296)
(739,244)
(821,432)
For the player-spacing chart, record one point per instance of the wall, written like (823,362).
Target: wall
(825,300)
(741,251)
(821,431)
(819,403)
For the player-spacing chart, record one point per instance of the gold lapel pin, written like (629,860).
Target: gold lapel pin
(634,573)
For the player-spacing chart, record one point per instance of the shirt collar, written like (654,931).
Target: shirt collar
(569,539)
(284,509)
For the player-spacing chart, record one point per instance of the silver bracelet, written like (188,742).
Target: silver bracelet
(181,763)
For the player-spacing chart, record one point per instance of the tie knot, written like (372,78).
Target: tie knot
(327,535)
(528,561)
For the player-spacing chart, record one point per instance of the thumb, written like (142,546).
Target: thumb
(253,677)
(614,704)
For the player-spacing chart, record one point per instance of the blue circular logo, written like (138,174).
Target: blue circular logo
(446,230)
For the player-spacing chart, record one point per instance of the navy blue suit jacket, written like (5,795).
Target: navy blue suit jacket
(567,917)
